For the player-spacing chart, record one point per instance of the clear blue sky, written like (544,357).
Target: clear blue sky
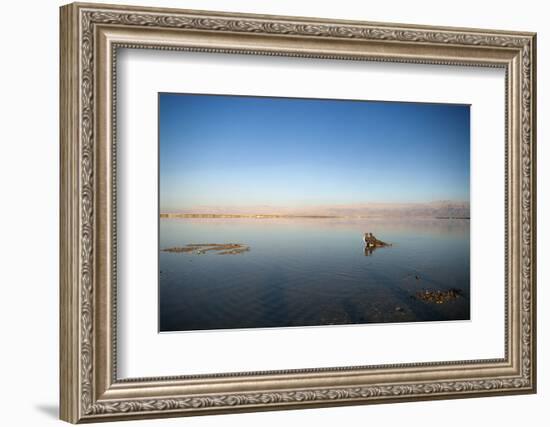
(248,151)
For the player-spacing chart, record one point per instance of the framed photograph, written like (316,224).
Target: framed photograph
(266,212)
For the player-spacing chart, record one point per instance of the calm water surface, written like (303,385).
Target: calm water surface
(302,272)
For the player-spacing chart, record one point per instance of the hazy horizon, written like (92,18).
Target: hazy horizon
(441,209)
(268,208)
(239,153)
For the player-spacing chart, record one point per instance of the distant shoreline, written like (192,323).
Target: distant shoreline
(259,216)
(169,215)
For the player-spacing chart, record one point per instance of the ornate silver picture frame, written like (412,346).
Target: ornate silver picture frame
(91,35)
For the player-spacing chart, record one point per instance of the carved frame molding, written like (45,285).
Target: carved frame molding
(90,36)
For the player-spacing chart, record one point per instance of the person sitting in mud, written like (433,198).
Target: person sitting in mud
(373,242)
(368,238)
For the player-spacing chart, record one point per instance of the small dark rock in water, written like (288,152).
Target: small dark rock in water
(438,297)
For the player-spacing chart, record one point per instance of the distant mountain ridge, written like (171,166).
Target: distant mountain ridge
(442,208)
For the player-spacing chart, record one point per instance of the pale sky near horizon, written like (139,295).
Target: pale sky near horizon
(246,151)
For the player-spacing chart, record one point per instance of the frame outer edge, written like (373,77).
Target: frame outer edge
(69,354)
(77,339)
(533,206)
(305,19)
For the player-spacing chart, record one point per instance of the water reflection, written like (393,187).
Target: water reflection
(312,272)
(369,250)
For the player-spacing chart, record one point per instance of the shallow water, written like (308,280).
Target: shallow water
(302,272)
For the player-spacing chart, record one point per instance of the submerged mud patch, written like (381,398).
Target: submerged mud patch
(438,297)
(203,248)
